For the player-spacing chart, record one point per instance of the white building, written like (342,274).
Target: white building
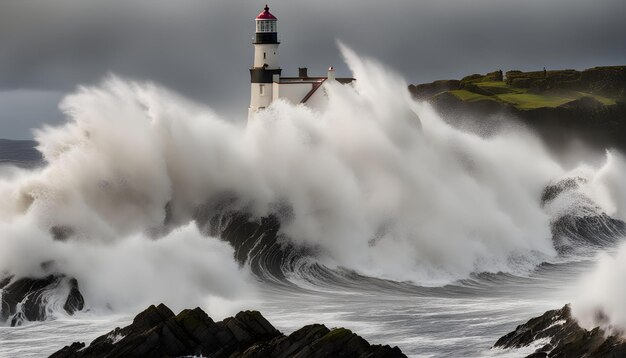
(267,84)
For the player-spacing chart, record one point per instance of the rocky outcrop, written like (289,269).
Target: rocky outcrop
(318,341)
(157,332)
(28,299)
(565,338)
(75,301)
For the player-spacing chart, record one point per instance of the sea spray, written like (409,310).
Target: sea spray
(602,293)
(183,268)
(607,187)
(600,296)
(375,182)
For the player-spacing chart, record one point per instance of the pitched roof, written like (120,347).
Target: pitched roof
(266,14)
(315,87)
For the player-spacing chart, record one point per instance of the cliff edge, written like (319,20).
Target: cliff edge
(561,105)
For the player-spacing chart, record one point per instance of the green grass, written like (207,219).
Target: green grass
(499,88)
(492,84)
(532,101)
(468,96)
(521,99)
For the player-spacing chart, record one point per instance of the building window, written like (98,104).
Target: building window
(264,55)
(262,90)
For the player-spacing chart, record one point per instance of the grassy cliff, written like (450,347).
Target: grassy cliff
(588,105)
(532,90)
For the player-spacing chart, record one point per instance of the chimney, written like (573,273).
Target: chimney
(331,73)
(302,72)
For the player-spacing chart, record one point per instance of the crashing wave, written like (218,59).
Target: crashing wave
(579,225)
(140,182)
(37,299)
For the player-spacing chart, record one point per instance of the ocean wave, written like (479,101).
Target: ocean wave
(375,188)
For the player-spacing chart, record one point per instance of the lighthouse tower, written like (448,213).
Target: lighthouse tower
(265,69)
(267,82)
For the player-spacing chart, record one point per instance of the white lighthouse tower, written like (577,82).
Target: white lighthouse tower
(267,83)
(265,69)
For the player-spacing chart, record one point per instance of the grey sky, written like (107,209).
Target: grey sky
(202,48)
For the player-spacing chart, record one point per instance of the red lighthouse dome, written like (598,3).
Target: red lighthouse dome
(266,14)
(266,26)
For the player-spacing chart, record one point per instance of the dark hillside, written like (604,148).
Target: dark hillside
(562,105)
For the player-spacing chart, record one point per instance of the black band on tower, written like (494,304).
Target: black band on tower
(262,75)
(266,38)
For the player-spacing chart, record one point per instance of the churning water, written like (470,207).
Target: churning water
(392,222)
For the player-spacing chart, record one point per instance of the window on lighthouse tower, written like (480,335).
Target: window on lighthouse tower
(266,26)
(266,22)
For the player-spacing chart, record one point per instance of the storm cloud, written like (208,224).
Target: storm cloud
(202,48)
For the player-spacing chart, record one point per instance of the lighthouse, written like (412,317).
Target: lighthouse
(266,81)
(265,68)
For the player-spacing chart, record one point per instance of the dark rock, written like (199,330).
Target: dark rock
(157,332)
(608,80)
(5,281)
(318,341)
(75,301)
(534,329)
(567,338)
(26,299)
(68,350)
